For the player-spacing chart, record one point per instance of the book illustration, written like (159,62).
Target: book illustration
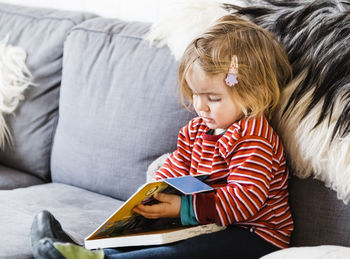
(125,227)
(125,220)
(133,223)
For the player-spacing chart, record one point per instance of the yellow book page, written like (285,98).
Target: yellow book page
(144,192)
(125,211)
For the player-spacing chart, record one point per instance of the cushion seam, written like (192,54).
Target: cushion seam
(40,18)
(107,33)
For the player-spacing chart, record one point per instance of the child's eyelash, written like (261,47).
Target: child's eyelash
(214,99)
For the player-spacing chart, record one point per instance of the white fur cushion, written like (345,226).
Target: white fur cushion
(154,166)
(14,79)
(316,252)
(184,21)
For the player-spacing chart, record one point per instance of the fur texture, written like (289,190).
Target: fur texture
(154,166)
(316,35)
(14,79)
(314,112)
(184,22)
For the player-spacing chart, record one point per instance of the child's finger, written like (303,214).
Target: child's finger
(153,209)
(162,197)
(146,212)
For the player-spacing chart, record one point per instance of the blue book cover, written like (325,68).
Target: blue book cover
(188,184)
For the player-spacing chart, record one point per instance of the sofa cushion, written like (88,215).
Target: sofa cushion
(79,211)
(319,217)
(12,178)
(41,33)
(313,252)
(119,107)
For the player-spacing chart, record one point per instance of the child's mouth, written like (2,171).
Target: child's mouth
(207,120)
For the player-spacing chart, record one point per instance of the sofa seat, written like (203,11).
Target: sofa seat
(80,212)
(11,178)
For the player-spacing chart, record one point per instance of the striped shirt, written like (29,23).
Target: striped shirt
(247,168)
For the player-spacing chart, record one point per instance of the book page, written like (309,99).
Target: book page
(124,220)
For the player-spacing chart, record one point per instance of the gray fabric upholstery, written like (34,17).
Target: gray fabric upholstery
(12,178)
(79,211)
(320,218)
(41,33)
(118,112)
(118,108)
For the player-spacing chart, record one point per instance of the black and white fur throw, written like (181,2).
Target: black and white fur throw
(313,118)
(316,35)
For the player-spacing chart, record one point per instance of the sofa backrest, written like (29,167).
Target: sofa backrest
(320,218)
(118,107)
(41,33)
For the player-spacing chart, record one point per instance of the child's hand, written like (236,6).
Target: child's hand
(169,207)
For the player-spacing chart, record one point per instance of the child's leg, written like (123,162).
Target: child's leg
(49,238)
(234,242)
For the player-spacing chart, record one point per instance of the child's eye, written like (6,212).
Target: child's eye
(214,99)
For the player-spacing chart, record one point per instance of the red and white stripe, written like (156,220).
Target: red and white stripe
(248,169)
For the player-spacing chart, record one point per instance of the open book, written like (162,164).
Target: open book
(126,228)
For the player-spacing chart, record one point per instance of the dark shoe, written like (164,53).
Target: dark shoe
(44,249)
(46,226)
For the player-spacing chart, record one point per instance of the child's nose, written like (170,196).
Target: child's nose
(202,105)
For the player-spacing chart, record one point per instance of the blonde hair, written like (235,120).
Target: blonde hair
(263,64)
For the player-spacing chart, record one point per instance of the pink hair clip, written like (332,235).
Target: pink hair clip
(231,78)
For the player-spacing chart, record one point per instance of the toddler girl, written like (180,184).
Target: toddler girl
(232,76)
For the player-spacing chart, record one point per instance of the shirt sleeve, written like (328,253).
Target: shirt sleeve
(250,167)
(179,162)
(187,213)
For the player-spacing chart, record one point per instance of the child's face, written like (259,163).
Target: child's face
(212,100)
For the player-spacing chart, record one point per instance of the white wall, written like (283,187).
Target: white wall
(137,10)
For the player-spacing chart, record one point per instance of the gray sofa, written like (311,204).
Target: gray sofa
(103,109)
